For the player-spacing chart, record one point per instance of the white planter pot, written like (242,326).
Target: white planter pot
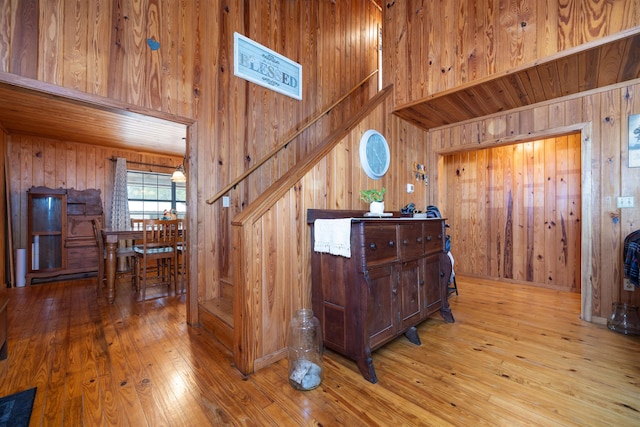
(376,208)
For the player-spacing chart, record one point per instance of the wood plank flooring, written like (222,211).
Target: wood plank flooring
(515,356)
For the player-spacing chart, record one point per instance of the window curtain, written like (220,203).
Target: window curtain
(120,217)
(120,203)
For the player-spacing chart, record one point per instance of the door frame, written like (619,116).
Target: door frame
(586,173)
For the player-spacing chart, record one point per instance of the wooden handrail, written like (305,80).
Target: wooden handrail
(269,197)
(286,142)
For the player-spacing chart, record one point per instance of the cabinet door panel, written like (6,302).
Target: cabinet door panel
(82,258)
(409,294)
(381,314)
(48,253)
(431,289)
(46,227)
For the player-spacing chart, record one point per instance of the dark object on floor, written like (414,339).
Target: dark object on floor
(631,257)
(15,409)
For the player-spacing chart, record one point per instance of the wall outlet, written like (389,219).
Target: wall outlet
(409,188)
(625,202)
(226,202)
(628,286)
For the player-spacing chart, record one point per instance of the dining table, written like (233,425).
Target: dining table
(111,238)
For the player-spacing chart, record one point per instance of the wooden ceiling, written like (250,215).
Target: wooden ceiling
(607,61)
(31,107)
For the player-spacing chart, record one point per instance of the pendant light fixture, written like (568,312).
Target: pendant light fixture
(179,175)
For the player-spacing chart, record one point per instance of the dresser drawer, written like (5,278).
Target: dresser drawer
(411,241)
(433,236)
(380,243)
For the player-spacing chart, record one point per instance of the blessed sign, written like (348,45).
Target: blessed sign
(262,66)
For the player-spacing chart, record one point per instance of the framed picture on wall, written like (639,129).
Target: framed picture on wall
(634,141)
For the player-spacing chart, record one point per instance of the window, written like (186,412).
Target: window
(150,194)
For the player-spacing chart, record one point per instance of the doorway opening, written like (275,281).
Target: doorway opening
(516,212)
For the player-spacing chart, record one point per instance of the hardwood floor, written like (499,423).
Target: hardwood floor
(515,356)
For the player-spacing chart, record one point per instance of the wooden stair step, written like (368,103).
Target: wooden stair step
(216,317)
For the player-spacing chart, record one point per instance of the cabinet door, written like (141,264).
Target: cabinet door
(431,289)
(380,315)
(46,224)
(409,303)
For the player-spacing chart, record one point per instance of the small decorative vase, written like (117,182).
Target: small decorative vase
(376,208)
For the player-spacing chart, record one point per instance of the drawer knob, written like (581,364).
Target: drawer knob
(419,240)
(428,238)
(373,246)
(405,242)
(392,243)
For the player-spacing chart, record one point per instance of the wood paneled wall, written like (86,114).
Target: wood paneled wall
(275,289)
(104,47)
(6,249)
(446,44)
(603,117)
(443,44)
(515,211)
(431,46)
(101,47)
(335,42)
(34,161)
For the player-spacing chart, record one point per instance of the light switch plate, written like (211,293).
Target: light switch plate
(225,201)
(409,188)
(625,202)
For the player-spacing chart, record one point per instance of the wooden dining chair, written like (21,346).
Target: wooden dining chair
(182,253)
(159,243)
(102,255)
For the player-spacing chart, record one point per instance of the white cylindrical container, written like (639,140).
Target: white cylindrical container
(21,267)
(35,262)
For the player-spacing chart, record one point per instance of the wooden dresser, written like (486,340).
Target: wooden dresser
(396,277)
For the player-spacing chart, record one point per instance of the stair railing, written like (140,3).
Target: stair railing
(286,142)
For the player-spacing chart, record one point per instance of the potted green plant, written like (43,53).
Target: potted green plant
(375,198)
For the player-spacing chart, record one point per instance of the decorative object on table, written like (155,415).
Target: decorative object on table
(408,210)
(375,156)
(170,214)
(375,198)
(15,409)
(333,236)
(305,348)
